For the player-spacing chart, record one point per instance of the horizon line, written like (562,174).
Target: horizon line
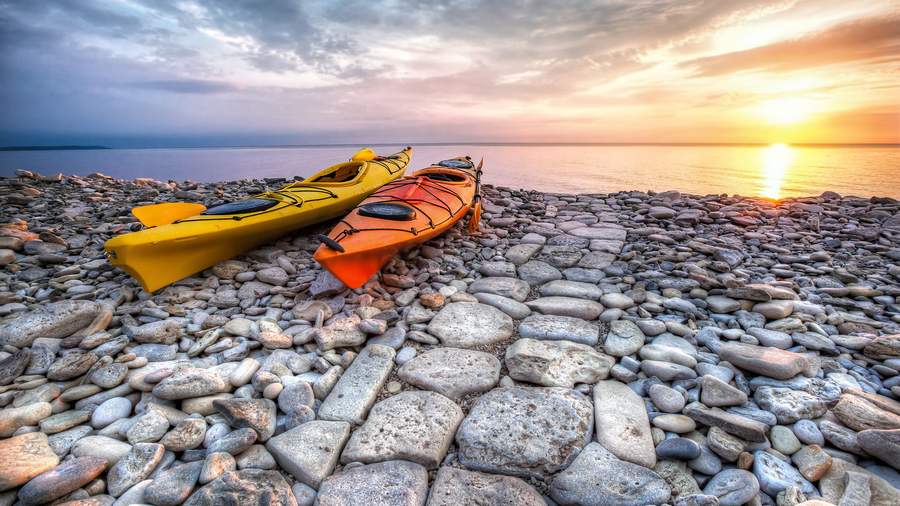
(78,147)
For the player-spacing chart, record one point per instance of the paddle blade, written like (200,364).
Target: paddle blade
(155,215)
(476,217)
(363,155)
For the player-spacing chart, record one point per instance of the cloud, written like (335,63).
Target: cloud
(413,68)
(186,86)
(872,39)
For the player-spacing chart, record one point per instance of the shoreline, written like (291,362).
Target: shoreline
(578,344)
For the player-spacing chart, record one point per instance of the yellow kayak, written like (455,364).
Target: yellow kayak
(178,245)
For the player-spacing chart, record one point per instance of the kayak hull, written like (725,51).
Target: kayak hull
(370,242)
(159,256)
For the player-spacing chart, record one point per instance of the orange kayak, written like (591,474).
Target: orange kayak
(402,214)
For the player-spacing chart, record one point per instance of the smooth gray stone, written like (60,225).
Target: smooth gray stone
(310,451)
(355,393)
(510,287)
(537,272)
(678,448)
(470,324)
(174,485)
(733,487)
(551,327)
(567,306)
(624,338)
(598,478)
(566,288)
(775,475)
(512,307)
(623,427)
(393,482)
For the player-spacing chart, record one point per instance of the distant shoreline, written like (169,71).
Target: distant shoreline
(51,148)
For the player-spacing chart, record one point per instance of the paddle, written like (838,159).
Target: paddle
(476,212)
(155,215)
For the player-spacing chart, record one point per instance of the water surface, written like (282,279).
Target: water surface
(774,171)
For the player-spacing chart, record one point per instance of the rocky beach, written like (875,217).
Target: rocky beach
(596,349)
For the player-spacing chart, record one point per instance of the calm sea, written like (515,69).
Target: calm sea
(773,171)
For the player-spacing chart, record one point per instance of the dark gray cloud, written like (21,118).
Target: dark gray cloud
(186,86)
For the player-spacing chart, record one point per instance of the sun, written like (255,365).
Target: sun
(787,111)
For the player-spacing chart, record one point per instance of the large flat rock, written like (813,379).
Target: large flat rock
(623,426)
(556,363)
(385,483)
(453,372)
(771,362)
(353,395)
(310,451)
(470,324)
(530,432)
(599,478)
(413,425)
(552,327)
(247,487)
(457,487)
(57,319)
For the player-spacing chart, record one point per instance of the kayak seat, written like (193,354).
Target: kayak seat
(456,164)
(241,207)
(449,178)
(387,211)
(342,174)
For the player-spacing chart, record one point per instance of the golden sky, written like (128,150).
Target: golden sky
(182,71)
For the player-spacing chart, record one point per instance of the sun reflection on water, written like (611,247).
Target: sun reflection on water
(776,161)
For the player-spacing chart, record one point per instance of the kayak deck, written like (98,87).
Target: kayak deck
(403,214)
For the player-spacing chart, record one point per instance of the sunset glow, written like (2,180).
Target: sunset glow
(151,72)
